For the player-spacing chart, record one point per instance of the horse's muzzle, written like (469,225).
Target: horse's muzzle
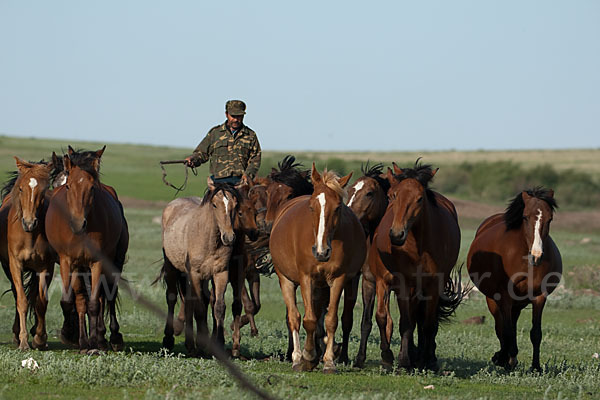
(29,226)
(228,238)
(78,227)
(324,255)
(398,238)
(252,235)
(533,260)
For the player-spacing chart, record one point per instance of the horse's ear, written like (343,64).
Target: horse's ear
(55,160)
(67,163)
(525,196)
(101,151)
(390,176)
(434,172)
(210,183)
(22,163)
(397,169)
(551,193)
(273,170)
(314,174)
(70,150)
(344,181)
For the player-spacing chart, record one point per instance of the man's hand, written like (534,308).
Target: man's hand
(189,162)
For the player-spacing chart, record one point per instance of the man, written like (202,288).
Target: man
(231,147)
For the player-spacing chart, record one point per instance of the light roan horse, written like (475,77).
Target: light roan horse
(317,243)
(514,262)
(413,253)
(198,238)
(86,226)
(24,249)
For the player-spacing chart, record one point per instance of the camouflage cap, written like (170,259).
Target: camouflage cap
(235,107)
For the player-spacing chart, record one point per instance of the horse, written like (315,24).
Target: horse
(317,243)
(86,226)
(514,262)
(26,257)
(368,199)
(198,240)
(413,252)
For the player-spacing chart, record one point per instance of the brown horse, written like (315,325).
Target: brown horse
(25,249)
(368,199)
(413,252)
(86,226)
(198,242)
(317,243)
(514,262)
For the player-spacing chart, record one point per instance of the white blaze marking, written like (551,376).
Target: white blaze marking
(62,181)
(80,180)
(32,184)
(226,201)
(321,230)
(536,248)
(357,187)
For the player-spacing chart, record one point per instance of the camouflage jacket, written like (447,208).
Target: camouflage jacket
(229,156)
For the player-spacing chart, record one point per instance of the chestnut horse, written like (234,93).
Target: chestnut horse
(24,248)
(86,226)
(198,239)
(368,199)
(413,253)
(317,243)
(514,262)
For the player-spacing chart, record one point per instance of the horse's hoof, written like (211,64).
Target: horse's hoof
(512,363)
(432,366)
(24,346)
(298,367)
(343,359)
(39,344)
(117,346)
(103,345)
(329,368)
(254,332)
(387,357)
(235,353)
(308,365)
(66,341)
(94,352)
(116,341)
(359,362)
(500,359)
(178,326)
(15,340)
(168,342)
(536,368)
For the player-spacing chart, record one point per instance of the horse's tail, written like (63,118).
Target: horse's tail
(31,282)
(453,295)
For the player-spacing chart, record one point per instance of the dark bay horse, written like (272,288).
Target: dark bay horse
(514,262)
(198,240)
(86,226)
(24,249)
(316,243)
(413,253)
(368,199)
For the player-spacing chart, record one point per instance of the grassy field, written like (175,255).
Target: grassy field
(570,327)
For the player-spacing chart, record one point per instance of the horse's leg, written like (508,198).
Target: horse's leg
(236,277)
(288,290)
(116,338)
(94,303)
(199,311)
(202,318)
(430,328)
(220,286)
(40,340)
(320,302)
(508,333)
(102,343)
(366,324)
(189,315)
(512,360)
(253,279)
(179,322)
(381,316)
(309,354)
(407,305)
(171,297)
(350,295)
(536,330)
(79,288)
(16,269)
(501,356)
(331,322)
(67,304)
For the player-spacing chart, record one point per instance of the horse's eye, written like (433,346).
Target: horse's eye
(369,194)
(20,189)
(67,186)
(214,205)
(240,213)
(420,200)
(525,218)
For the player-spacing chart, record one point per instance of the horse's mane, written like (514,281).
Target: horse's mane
(330,179)
(290,175)
(218,187)
(375,172)
(422,173)
(513,216)
(85,160)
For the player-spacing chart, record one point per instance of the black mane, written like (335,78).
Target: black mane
(375,172)
(290,175)
(218,187)
(85,161)
(422,173)
(513,216)
(9,184)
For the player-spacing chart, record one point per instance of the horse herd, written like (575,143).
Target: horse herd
(322,235)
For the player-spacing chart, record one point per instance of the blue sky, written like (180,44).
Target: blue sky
(397,75)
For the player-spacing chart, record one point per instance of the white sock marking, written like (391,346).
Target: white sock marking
(297,353)
(32,184)
(321,230)
(359,185)
(536,248)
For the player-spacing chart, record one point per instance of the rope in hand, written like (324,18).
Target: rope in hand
(164,174)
